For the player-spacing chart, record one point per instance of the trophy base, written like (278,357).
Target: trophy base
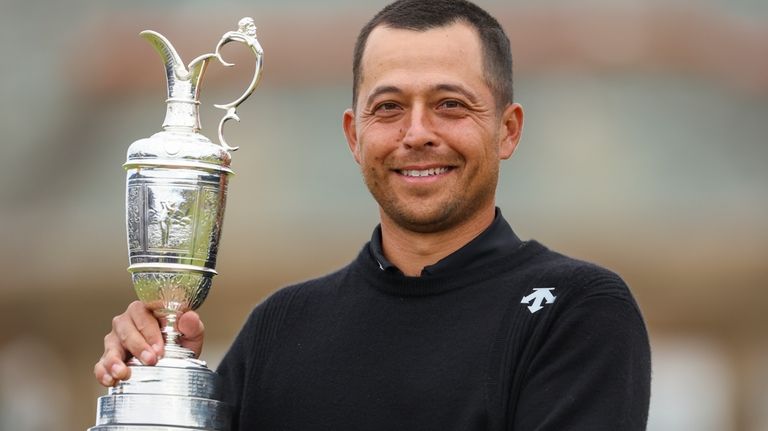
(175,395)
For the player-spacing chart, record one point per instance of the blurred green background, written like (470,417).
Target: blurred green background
(644,150)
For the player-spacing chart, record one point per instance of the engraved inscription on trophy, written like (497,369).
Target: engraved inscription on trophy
(134,204)
(209,220)
(176,189)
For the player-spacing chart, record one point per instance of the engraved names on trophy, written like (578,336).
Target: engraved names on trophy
(210,217)
(134,200)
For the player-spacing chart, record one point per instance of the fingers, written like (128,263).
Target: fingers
(134,333)
(111,368)
(151,342)
(138,333)
(193,329)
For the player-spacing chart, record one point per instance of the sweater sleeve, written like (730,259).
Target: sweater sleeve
(592,371)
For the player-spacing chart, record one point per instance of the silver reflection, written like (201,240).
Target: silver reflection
(176,190)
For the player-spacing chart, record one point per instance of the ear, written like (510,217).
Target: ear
(350,132)
(511,130)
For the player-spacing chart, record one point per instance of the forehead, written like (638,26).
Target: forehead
(451,50)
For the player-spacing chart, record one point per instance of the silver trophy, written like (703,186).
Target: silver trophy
(176,189)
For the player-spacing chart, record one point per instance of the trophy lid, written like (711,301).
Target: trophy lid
(178,149)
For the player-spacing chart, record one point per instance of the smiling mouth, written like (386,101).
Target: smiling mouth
(424,172)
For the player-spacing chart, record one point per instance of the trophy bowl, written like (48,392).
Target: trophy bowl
(175,199)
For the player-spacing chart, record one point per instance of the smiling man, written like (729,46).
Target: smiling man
(428,134)
(445,320)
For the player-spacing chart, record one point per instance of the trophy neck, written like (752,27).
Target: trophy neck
(183,106)
(182,114)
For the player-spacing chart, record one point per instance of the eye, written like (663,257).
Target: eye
(387,110)
(450,104)
(452,108)
(386,107)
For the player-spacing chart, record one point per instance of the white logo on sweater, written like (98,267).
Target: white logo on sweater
(538,296)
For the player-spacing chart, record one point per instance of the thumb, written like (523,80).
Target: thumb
(192,328)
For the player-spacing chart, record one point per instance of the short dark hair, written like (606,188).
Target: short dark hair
(422,15)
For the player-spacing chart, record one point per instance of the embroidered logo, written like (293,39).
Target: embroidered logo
(538,296)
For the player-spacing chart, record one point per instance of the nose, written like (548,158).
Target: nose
(419,132)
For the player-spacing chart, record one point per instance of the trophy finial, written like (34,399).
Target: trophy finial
(247,26)
(246,33)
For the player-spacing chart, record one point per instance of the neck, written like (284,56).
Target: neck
(412,251)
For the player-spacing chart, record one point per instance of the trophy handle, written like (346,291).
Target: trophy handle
(246,33)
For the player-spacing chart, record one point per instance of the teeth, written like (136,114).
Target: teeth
(424,172)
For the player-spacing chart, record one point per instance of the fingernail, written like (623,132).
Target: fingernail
(117,370)
(147,357)
(107,380)
(158,348)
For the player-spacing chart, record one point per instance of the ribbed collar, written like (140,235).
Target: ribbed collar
(494,250)
(496,240)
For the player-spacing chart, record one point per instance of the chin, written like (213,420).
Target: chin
(426,220)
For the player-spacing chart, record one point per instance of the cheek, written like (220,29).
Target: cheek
(370,158)
(379,144)
(386,131)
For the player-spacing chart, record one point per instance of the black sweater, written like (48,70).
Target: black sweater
(368,349)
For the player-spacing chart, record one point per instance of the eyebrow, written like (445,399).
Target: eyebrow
(381,90)
(454,88)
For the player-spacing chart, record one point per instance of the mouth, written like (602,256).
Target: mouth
(419,173)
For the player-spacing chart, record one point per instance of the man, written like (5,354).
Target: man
(445,320)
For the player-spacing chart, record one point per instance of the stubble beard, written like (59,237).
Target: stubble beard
(452,212)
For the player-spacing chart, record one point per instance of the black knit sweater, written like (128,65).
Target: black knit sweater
(367,349)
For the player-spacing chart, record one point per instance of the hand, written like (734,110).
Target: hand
(136,333)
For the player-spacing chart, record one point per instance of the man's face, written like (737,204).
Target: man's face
(426,131)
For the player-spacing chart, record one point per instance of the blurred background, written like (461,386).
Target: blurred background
(644,150)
